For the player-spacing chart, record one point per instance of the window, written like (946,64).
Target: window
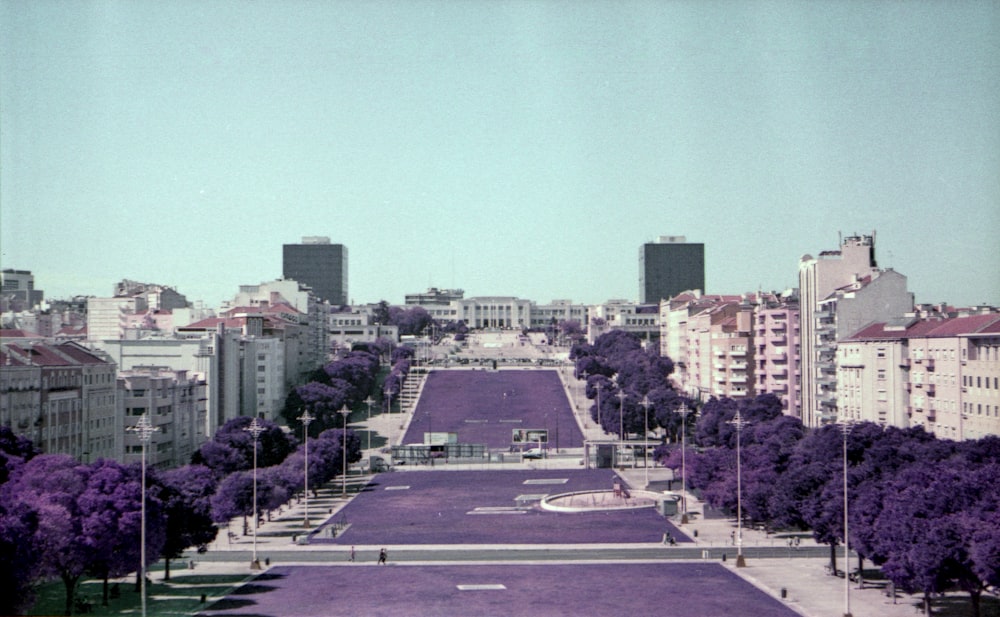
(880,352)
(881,374)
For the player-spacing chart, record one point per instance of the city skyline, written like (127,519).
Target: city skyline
(519,148)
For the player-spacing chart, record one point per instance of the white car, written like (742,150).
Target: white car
(534,453)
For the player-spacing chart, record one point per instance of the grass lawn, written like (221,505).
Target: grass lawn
(179,596)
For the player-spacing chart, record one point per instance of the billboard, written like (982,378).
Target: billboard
(530,435)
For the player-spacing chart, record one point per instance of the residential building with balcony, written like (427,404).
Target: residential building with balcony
(819,277)
(941,373)
(689,322)
(776,339)
(62,397)
(879,296)
(176,405)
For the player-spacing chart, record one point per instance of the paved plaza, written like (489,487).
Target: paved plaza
(682,590)
(469,539)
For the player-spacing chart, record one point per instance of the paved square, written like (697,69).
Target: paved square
(530,590)
(484,407)
(482,507)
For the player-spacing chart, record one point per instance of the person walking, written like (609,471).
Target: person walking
(352,553)
(382,556)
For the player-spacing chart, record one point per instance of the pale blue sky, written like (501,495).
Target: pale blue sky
(508,148)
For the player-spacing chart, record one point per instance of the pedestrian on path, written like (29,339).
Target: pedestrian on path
(352,553)
(382,556)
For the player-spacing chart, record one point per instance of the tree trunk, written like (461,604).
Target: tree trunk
(976,596)
(104,591)
(70,583)
(833,558)
(861,572)
(166,572)
(927,604)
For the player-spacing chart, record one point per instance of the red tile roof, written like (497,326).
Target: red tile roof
(934,328)
(964,325)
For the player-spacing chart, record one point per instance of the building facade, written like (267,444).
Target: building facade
(62,397)
(818,278)
(776,338)
(668,267)
(176,408)
(17,290)
(941,373)
(319,265)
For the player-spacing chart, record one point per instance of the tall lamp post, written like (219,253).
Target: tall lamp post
(845,429)
(368,401)
(305,419)
(621,418)
(345,412)
(255,429)
(144,429)
(739,423)
(683,410)
(645,435)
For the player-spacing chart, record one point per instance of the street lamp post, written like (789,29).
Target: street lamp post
(585,375)
(739,423)
(368,401)
(255,429)
(645,435)
(597,388)
(144,429)
(621,418)
(305,419)
(345,412)
(684,511)
(845,428)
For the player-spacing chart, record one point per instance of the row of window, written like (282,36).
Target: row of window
(981,409)
(980,382)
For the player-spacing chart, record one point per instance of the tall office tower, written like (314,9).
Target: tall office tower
(669,266)
(320,265)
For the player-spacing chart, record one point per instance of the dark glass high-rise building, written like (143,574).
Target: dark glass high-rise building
(669,266)
(318,264)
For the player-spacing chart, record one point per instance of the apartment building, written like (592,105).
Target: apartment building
(776,339)
(62,397)
(837,296)
(176,405)
(940,373)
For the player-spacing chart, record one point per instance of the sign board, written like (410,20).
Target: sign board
(437,439)
(530,435)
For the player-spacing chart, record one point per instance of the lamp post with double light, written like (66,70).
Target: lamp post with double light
(621,419)
(739,423)
(345,412)
(305,419)
(683,410)
(144,429)
(845,429)
(645,435)
(369,401)
(255,429)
